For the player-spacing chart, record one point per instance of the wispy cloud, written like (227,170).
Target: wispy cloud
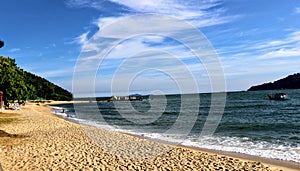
(262,59)
(290,39)
(144,45)
(297,10)
(84,3)
(14,50)
(264,49)
(283,48)
(282,53)
(248,52)
(199,13)
(56,73)
(183,10)
(53,45)
(81,40)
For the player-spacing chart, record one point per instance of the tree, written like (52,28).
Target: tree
(12,83)
(18,84)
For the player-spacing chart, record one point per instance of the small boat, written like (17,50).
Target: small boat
(278,96)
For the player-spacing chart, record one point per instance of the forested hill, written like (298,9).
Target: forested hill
(18,84)
(289,82)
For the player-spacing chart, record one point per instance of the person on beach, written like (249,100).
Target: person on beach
(16,106)
(1,102)
(1,93)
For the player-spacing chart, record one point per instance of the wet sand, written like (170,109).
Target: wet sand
(43,141)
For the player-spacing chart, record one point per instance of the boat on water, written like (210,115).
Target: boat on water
(278,96)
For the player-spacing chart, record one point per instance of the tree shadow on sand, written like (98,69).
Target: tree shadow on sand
(5,134)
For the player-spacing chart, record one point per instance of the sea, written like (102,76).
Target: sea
(250,124)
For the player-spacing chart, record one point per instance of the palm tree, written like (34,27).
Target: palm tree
(1,43)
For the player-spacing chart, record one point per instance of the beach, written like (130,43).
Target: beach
(36,139)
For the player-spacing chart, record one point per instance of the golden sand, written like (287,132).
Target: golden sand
(39,140)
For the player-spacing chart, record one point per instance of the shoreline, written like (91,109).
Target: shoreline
(54,142)
(270,161)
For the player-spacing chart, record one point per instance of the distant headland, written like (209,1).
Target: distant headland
(289,82)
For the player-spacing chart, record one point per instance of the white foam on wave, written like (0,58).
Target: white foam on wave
(71,117)
(61,114)
(229,144)
(245,146)
(232,144)
(56,107)
(60,111)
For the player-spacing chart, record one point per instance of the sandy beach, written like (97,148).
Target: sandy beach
(35,139)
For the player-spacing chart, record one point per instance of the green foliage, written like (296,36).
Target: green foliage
(289,82)
(18,84)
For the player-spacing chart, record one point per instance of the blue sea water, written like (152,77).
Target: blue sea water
(251,123)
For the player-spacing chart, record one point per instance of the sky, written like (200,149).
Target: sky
(255,41)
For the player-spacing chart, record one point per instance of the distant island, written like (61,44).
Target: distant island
(17,84)
(289,82)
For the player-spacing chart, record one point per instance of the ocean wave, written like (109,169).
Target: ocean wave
(265,133)
(244,145)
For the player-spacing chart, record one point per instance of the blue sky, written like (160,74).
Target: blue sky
(256,41)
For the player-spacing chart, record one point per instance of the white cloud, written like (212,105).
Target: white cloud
(199,13)
(145,5)
(169,7)
(291,52)
(297,10)
(84,3)
(260,59)
(56,73)
(294,36)
(82,39)
(283,48)
(138,33)
(244,59)
(102,22)
(189,10)
(14,50)
(264,49)
(290,39)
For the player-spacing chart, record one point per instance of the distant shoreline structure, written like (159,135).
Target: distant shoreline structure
(136,97)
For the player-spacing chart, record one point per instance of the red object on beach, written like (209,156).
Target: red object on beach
(1,96)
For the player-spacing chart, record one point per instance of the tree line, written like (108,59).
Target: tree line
(289,82)
(18,84)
